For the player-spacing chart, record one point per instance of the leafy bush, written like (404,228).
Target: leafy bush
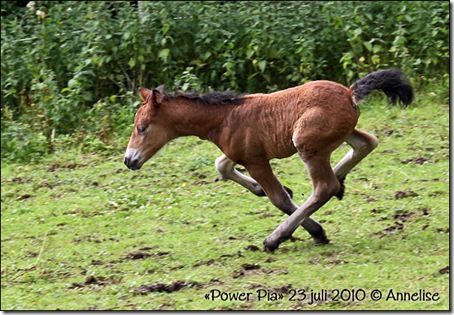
(62,62)
(393,34)
(20,143)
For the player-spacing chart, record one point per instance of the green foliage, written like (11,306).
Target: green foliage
(60,61)
(393,34)
(20,143)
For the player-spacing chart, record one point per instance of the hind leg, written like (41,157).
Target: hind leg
(362,144)
(326,182)
(227,170)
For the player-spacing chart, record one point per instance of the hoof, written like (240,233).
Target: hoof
(321,240)
(267,250)
(320,237)
(272,242)
(269,246)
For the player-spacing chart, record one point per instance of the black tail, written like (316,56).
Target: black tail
(391,81)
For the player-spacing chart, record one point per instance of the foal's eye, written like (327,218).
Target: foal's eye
(141,129)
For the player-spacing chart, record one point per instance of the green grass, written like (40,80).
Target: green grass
(74,216)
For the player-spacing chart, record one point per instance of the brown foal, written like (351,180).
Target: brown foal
(312,120)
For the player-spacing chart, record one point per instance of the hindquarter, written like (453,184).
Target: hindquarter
(328,119)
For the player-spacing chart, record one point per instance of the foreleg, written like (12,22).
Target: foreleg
(280,197)
(227,170)
(325,185)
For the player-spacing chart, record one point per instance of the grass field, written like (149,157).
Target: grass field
(82,232)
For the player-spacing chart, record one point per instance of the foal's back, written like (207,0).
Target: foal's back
(269,124)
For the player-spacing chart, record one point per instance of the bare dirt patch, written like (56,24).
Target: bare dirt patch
(444,270)
(92,280)
(55,166)
(418,160)
(252,248)
(143,254)
(168,288)
(405,194)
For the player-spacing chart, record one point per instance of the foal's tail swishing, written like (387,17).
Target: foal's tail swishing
(391,81)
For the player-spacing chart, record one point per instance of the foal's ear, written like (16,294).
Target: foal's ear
(144,93)
(158,94)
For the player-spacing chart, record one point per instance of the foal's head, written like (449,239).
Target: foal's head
(150,133)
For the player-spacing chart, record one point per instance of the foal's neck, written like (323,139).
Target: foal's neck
(189,118)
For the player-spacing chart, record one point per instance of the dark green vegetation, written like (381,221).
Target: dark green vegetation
(80,231)
(70,71)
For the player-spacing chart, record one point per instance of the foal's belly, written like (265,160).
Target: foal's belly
(249,144)
(280,150)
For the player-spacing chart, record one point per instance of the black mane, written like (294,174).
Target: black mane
(212,98)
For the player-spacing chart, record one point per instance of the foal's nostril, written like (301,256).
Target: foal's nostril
(132,164)
(132,159)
